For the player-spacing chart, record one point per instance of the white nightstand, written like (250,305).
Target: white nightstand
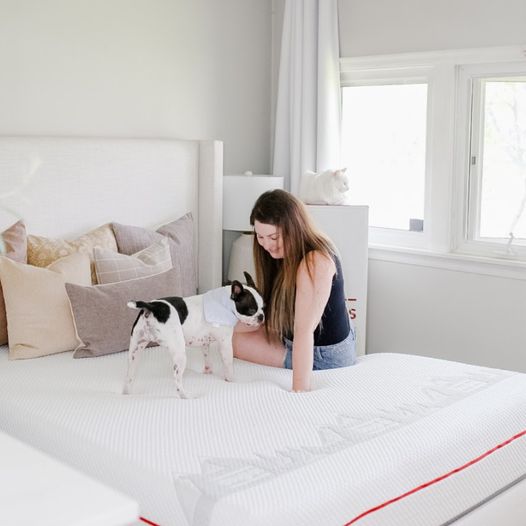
(347,226)
(38,490)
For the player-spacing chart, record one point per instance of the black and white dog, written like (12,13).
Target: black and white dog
(196,321)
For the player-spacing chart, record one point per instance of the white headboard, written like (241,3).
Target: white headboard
(81,183)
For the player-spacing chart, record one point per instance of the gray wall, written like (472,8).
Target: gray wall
(375,27)
(143,68)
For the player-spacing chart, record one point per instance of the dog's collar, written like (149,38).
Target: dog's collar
(218,308)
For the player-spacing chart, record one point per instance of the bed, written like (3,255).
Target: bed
(394,440)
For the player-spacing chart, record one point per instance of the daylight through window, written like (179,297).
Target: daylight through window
(384,148)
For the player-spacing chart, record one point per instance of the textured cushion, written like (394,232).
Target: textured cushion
(42,251)
(15,245)
(131,239)
(102,318)
(111,266)
(38,314)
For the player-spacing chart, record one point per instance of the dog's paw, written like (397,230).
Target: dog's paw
(127,386)
(228,373)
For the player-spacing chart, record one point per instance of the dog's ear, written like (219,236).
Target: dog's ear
(249,280)
(236,289)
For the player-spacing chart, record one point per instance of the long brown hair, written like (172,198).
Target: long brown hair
(276,278)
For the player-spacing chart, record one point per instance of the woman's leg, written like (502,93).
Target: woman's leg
(253,346)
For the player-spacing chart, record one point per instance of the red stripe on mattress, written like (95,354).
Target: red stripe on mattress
(438,479)
(146,521)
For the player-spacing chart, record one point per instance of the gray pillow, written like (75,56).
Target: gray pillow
(180,234)
(102,318)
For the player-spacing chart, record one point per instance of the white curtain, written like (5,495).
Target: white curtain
(307,133)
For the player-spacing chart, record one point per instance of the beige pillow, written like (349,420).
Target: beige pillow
(112,267)
(39,317)
(102,318)
(15,245)
(42,251)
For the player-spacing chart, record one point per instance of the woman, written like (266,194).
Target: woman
(299,275)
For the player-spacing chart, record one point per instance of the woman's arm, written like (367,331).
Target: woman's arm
(312,294)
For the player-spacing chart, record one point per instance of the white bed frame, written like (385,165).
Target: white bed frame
(507,509)
(81,183)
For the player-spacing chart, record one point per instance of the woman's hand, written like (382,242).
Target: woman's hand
(312,293)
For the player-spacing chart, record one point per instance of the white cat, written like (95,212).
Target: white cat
(326,188)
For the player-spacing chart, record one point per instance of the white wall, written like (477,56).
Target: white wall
(446,314)
(375,27)
(143,68)
(455,315)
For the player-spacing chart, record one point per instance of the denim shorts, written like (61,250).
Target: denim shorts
(339,354)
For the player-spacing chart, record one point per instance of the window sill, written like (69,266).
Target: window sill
(498,267)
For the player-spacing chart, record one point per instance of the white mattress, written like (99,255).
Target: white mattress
(252,453)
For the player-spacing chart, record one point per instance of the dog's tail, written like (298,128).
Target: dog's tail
(159,308)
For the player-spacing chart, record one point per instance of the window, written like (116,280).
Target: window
(386,118)
(435,144)
(491,160)
(384,147)
(497,178)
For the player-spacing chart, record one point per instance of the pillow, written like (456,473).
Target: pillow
(42,251)
(101,315)
(131,239)
(15,244)
(111,266)
(39,318)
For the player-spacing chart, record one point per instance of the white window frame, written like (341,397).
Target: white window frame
(409,69)
(443,242)
(469,102)
(395,76)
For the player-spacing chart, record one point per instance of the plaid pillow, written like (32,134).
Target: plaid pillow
(112,267)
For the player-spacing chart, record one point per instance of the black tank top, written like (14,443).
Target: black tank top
(334,326)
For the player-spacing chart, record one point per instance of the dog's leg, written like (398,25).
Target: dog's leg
(227,355)
(206,355)
(138,342)
(176,347)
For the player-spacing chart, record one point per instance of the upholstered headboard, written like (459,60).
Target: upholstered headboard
(75,184)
